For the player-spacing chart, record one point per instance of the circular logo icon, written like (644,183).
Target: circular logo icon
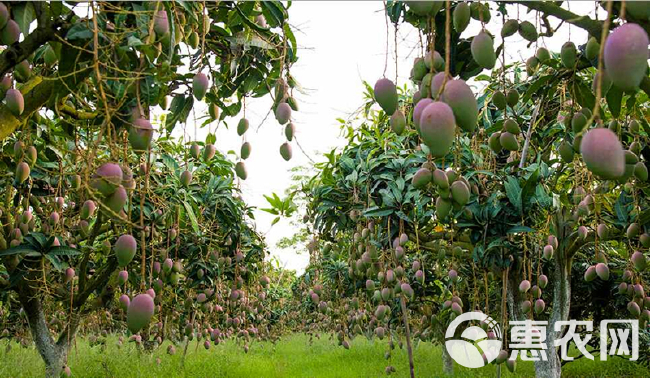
(475,349)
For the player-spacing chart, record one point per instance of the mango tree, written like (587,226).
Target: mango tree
(92,93)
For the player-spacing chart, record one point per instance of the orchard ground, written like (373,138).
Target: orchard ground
(293,356)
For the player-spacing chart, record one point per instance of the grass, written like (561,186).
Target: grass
(291,357)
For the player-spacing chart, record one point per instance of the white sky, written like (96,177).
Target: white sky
(342,44)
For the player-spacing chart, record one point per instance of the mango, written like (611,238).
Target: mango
(436,84)
(512,126)
(542,55)
(421,178)
(542,281)
(626,56)
(140,135)
(240,170)
(290,130)
(139,312)
(634,309)
(186,178)
(437,128)
(569,55)
(122,277)
(602,271)
(242,126)
(566,152)
(461,16)
(214,111)
(283,113)
(398,122)
(590,274)
(605,85)
(480,12)
(495,143)
(509,28)
(592,49)
(208,152)
(499,100)
(200,85)
(443,208)
(195,150)
(458,95)
(4,15)
(117,200)
(531,65)
(603,153)
(639,261)
(125,248)
(124,302)
(641,171)
(285,151)
(434,60)
(419,70)
(386,95)
(15,102)
(483,50)
(161,23)
(425,8)
(245,150)
(527,31)
(460,193)
(22,172)
(509,141)
(10,34)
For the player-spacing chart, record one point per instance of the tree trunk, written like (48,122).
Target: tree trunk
(447,362)
(54,354)
(560,282)
(408,335)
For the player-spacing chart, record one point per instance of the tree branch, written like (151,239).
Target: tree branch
(18,52)
(593,27)
(100,278)
(38,90)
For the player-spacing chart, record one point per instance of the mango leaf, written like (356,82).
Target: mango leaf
(63,251)
(513,191)
(18,250)
(520,228)
(56,262)
(133,41)
(179,111)
(190,214)
(535,86)
(24,15)
(79,31)
(377,212)
(274,12)
(36,240)
(614,96)
(584,95)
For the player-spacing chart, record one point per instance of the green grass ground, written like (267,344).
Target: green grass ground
(291,357)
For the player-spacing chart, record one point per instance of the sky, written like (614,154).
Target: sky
(341,44)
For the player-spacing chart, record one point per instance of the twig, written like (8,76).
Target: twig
(303,151)
(533,120)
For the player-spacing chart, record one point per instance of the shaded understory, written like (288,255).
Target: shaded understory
(291,357)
